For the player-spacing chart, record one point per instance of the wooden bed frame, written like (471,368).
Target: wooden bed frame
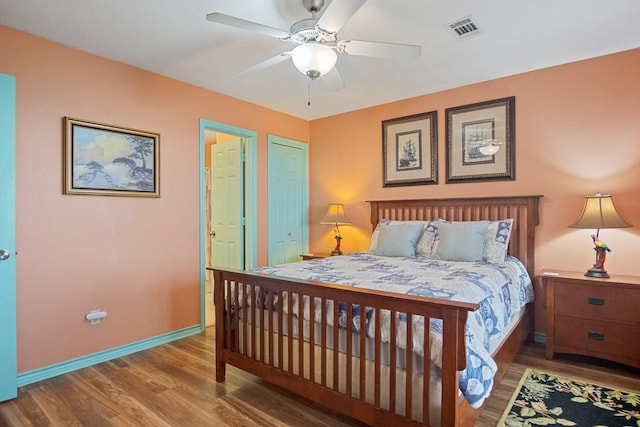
(256,342)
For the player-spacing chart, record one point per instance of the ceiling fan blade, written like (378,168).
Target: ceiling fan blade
(232,21)
(379,49)
(264,64)
(333,80)
(337,14)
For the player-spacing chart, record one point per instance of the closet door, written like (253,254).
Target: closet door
(288,200)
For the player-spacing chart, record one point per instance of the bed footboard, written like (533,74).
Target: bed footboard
(257,319)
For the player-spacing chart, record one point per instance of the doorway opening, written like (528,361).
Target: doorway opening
(210,133)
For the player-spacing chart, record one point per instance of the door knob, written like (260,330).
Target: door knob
(4,254)
(212,233)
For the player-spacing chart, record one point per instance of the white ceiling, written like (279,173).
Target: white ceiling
(173,38)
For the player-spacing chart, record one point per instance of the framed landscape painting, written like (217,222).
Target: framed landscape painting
(409,150)
(107,160)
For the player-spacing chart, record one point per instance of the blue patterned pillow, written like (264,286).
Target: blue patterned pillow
(496,241)
(425,246)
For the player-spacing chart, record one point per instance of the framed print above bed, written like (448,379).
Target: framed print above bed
(410,150)
(108,160)
(481,141)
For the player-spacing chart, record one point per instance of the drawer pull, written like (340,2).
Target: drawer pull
(599,336)
(596,301)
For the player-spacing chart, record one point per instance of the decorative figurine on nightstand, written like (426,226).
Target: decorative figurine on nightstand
(599,212)
(601,249)
(338,236)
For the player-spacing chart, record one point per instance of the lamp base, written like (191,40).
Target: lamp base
(598,268)
(597,272)
(336,252)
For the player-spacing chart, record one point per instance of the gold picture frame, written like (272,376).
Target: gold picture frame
(108,160)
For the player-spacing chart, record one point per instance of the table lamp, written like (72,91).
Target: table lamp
(599,212)
(335,216)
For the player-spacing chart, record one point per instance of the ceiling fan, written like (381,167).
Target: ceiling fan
(316,41)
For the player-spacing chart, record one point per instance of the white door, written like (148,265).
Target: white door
(227,213)
(8,365)
(288,204)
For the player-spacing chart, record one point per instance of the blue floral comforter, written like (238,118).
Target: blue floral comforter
(501,291)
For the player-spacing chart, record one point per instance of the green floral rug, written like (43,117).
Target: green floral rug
(544,399)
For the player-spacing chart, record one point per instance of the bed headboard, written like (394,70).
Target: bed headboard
(523,210)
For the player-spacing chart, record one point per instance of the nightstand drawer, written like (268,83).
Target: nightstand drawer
(606,303)
(594,337)
(592,316)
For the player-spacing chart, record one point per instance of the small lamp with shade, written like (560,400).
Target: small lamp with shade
(336,216)
(599,212)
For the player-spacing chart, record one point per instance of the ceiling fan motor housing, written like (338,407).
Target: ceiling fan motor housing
(305,31)
(313,5)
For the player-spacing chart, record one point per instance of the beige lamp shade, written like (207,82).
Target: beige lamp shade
(599,212)
(335,215)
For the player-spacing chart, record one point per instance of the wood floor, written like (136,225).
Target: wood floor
(577,367)
(174,385)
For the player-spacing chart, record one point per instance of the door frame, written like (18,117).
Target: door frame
(8,333)
(272,140)
(250,200)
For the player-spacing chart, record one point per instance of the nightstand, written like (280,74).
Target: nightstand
(592,316)
(315,255)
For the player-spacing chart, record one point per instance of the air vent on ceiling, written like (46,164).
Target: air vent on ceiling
(464,28)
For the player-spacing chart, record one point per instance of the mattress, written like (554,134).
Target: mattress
(501,290)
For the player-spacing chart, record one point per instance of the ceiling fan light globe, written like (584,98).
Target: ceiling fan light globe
(314,60)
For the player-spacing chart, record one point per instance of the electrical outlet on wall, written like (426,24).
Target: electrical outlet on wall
(94,322)
(95,317)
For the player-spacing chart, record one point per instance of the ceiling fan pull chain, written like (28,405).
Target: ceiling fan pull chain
(309,92)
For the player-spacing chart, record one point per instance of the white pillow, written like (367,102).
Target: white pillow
(399,240)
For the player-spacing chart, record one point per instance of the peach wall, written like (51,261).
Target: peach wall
(136,258)
(577,132)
